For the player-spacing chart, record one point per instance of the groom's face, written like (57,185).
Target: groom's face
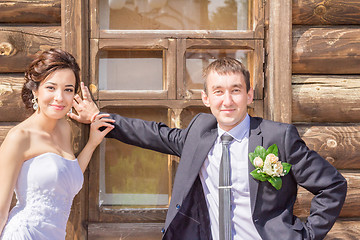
(227,98)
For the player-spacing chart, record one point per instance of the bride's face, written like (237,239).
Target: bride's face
(56,93)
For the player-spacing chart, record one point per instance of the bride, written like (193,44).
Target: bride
(36,157)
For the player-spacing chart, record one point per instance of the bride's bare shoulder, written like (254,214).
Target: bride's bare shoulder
(15,144)
(18,133)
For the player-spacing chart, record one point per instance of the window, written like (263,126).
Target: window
(120,70)
(146,60)
(174,15)
(132,176)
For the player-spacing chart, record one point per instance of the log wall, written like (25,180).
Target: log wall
(43,12)
(326,12)
(325,96)
(19,44)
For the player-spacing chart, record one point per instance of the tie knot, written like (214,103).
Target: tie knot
(226,139)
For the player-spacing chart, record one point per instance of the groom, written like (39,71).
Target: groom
(258,210)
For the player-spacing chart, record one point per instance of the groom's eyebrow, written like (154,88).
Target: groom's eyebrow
(239,85)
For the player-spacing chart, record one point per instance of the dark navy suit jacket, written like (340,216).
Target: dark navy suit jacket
(272,210)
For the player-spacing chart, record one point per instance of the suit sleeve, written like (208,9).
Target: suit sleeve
(155,136)
(319,177)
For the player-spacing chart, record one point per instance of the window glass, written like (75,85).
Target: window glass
(174,14)
(131,176)
(131,70)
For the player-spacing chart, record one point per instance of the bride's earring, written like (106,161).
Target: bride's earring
(34,102)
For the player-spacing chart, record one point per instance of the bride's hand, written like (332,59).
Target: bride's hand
(85,107)
(97,131)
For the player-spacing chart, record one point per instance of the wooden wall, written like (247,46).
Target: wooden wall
(326,95)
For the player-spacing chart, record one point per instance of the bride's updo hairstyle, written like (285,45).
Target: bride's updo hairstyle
(42,66)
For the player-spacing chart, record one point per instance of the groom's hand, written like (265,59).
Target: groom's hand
(86,109)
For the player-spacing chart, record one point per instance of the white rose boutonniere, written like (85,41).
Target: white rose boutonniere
(267,165)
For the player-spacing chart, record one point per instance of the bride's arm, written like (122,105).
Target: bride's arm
(11,160)
(95,138)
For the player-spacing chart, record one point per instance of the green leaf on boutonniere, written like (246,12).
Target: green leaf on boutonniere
(260,151)
(259,175)
(287,167)
(276,182)
(272,149)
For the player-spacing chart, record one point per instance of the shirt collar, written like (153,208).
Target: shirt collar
(239,131)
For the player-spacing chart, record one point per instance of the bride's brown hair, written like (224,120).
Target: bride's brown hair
(42,66)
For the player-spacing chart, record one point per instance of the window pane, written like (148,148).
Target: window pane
(174,14)
(131,70)
(132,176)
(198,59)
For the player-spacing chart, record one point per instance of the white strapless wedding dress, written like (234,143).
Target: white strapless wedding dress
(45,190)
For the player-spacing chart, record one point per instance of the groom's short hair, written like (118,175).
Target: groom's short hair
(225,66)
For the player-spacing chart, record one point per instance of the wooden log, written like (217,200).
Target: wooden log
(18,45)
(129,231)
(30,11)
(351,206)
(278,62)
(12,107)
(325,98)
(338,144)
(320,12)
(344,229)
(332,50)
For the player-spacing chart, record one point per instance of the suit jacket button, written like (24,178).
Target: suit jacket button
(163,230)
(177,206)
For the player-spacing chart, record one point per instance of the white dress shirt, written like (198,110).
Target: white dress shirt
(243,227)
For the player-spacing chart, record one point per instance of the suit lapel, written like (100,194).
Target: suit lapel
(255,139)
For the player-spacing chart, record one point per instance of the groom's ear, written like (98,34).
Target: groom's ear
(205,98)
(250,96)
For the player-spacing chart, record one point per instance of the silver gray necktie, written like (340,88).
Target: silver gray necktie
(225,190)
